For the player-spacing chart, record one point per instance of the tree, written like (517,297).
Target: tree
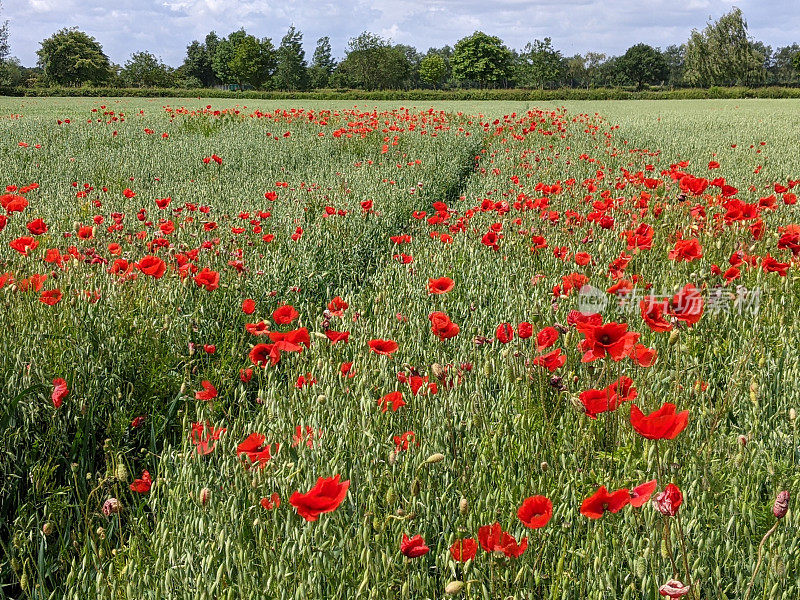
(796,62)
(782,69)
(540,65)
(482,59)
(243,59)
(146,70)
(71,57)
(724,54)
(292,70)
(322,64)
(432,70)
(253,61)
(4,47)
(198,63)
(675,57)
(643,64)
(372,63)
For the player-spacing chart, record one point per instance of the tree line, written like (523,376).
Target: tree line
(722,54)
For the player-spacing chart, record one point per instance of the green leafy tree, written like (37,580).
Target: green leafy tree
(482,59)
(143,69)
(253,61)
(322,64)
(724,54)
(540,65)
(432,70)
(5,49)
(675,57)
(71,57)
(782,71)
(198,63)
(292,70)
(372,63)
(796,62)
(643,64)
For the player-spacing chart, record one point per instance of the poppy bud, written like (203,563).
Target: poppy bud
(391,496)
(101,533)
(453,588)
(674,589)
(47,528)
(205,496)
(781,505)
(415,487)
(792,414)
(111,507)
(673,337)
(463,506)
(544,466)
(742,440)
(322,399)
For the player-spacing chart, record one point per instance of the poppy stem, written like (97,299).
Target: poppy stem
(668,542)
(685,556)
(760,560)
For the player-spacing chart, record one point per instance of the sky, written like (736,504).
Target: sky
(166,27)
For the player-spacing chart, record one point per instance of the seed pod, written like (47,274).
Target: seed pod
(434,458)
(781,506)
(453,588)
(121,472)
(391,496)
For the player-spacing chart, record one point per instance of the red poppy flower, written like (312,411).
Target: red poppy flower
(644,356)
(641,493)
(663,424)
(153,266)
(384,347)
(37,227)
(546,338)
(442,285)
(207,279)
(504,333)
(524,330)
(285,314)
(260,328)
(255,449)
(413,547)
(595,505)
(493,539)
(654,312)
(609,398)
(60,392)
(551,361)
(464,549)
(248,306)
(204,437)
(51,297)
(337,336)
(337,306)
(273,502)
(24,245)
(535,512)
(669,501)
(687,305)
(324,497)
(209,392)
(612,339)
(674,589)
(143,484)
(686,250)
(442,327)
(393,398)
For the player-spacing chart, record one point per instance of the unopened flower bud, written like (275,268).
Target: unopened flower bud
(47,528)
(205,496)
(463,506)
(781,505)
(453,588)
(111,507)
(434,458)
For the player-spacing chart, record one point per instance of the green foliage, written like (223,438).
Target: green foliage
(724,54)
(292,71)
(4,47)
(322,64)
(199,60)
(540,65)
(145,70)
(71,57)
(433,70)
(482,59)
(372,63)
(643,64)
